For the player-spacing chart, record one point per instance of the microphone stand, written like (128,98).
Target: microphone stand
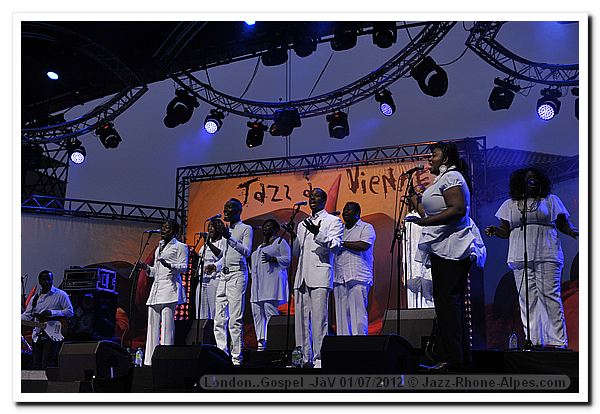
(285,357)
(528,344)
(133,276)
(400,234)
(200,282)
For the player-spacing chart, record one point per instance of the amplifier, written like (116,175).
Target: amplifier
(80,279)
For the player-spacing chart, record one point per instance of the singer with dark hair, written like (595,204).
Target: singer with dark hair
(170,261)
(269,287)
(211,252)
(233,280)
(449,242)
(545,216)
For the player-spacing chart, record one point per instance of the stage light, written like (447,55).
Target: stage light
(284,122)
(52,75)
(548,105)
(432,79)
(76,151)
(384,34)
(575,92)
(180,109)
(304,45)
(109,137)
(344,37)
(338,125)
(503,94)
(386,103)
(255,134)
(276,54)
(214,121)
(250,22)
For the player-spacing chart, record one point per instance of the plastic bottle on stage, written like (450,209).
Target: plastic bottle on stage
(297,357)
(139,357)
(513,343)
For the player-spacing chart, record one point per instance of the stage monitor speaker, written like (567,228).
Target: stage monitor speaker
(178,368)
(84,361)
(375,354)
(276,330)
(416,325)
(94,314)
(194,332)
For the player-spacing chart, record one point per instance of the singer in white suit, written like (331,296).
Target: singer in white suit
(269,288)
(206,292)
(318,239)
(170,261)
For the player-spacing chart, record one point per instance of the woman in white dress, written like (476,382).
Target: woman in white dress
(546,215)
(269,288)
(210,281)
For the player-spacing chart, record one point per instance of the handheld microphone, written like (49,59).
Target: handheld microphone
(216,216)
(152,231)
(419,167)
(531,182)
(301,203)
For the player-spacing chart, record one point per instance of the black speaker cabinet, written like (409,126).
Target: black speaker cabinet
(194,332)
(178,368)
(416,325)
(82,361)
(94,314)
(276,333)
(375,354)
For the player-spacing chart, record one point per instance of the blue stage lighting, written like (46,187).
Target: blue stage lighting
(386,103)
(250,22)
(214,121)
(76,152)
(52,75)
(548,105)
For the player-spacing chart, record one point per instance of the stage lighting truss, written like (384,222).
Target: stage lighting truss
(255,134)
(548,105)
(482,41)
(132,90)
(503,94)
(395,68)
(386,103)
(338,125)
(108,135)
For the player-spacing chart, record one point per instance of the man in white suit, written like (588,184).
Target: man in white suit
(319,237)
(170,261)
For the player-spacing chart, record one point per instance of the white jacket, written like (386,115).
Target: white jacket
(167,286)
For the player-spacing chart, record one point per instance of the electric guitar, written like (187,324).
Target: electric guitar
(55,328)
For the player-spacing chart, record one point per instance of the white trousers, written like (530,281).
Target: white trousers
(310,320)
(419,293)
(351,300)
(229,313)
(262,312)
(546,316)
(161,328)
(206,309)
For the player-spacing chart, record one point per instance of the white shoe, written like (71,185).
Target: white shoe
(317,364)
(262,345)
(236,362)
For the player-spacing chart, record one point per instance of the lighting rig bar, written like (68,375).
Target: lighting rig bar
(108,111)
(482,41)
(397,67)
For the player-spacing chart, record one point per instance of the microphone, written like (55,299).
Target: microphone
(152,231)
(336,213)
(201,233)
(216,216)
(531,182)
(301,203)
(419,167)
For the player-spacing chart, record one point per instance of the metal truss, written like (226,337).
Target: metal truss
(483,42)
(95,209)
(472,149)
(108,111)
(397,67)
(47,174)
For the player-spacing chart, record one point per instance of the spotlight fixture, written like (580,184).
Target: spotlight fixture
(575,92)
(109,137)
(276,54)
(304,45)
(214,121)
(503,94)
(548,105)
(255,134)
(250,22)
(180,109)
(386,103)
(284,122)
(432,79)
(384,34)
(344,37)
(76,151)
(338,125)
(52,75)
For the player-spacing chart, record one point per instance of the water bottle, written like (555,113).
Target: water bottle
(139,357)
(297,357)
(512,341)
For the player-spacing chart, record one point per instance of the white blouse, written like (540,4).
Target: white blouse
(270,280)
(455,241)
(543,244)
(210,258)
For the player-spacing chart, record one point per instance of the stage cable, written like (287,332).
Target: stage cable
(320,75)
(252,78)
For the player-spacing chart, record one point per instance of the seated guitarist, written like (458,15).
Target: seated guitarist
(48,303)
